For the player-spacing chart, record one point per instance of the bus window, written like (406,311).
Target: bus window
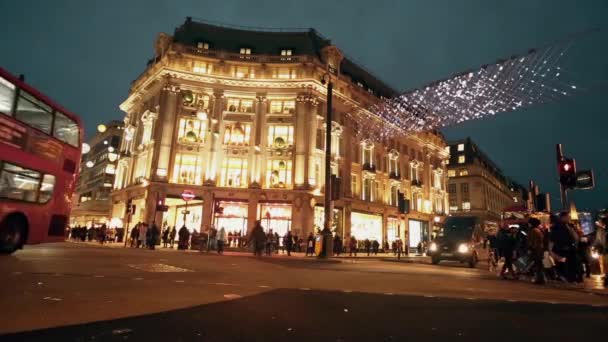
(66,129)
(34,112)
(46,188)
(17,183)
(7,94)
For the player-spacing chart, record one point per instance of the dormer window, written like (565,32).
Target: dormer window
(245,51)
(202,45)
(286,52)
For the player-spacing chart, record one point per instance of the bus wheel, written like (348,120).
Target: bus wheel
(12,234)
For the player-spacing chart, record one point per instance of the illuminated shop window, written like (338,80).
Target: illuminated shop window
(237,134)
(460,147)
(240,105)
(282,107)
(466,205)
(451,173)
(187,169)
(234,172)
(191,130)
(463,172)
(278,173)
(280,136)
(461,159)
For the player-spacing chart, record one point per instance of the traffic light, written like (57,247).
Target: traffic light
(218,209)
(336,184)
(160,206)
(567,173)
(403,204)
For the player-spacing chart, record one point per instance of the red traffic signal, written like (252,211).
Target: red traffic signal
(567,173)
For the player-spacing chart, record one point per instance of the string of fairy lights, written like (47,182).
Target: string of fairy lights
(507,85)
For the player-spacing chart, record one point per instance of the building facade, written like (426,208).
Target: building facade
(97,169)
(476,185)
(238,118)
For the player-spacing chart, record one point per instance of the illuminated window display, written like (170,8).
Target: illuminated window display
(240,105)
(276,217)
(187,169)
(280,136)
(233,218)
(392,229)
(191,130)
(234,172)
(237,134)
(337,221)
(282,106)
(366,226)
(278,173)
(418,232)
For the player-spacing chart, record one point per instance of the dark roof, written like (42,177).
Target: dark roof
(271,42)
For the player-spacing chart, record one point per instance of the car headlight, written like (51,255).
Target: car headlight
(433,247)
(463,248)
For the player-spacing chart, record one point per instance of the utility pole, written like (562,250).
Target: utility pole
(327,250)
(562,189)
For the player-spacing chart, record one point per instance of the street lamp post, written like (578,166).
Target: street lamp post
(327,238)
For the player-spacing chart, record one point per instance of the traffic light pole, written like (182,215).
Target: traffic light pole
(327,249)
(562,189)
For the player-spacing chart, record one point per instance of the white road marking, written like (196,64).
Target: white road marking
(345,310)
(179,281)
(98,276)
(52,299)
(40,283)
(429,296)
(224,284)
(121,331)
(232,296)
(138,278)
(264,286)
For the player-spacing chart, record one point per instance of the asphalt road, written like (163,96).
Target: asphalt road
(76,292)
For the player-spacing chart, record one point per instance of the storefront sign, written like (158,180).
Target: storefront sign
(188,195)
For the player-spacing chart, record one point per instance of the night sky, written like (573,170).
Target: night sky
(84,54)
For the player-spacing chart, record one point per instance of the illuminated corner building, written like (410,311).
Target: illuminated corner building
(97,169)
(476,185)
(237,117)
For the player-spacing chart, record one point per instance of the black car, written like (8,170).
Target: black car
(462,240)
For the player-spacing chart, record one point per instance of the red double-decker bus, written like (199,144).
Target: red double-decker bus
(40,148)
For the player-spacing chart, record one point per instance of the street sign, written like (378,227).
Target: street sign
(185,212)
(585,179)
(188,195)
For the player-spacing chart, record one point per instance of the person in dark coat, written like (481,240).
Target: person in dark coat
(135,235)
(172,234)
(375,247)
(257,238)
(288,242)
(165,237)
(537,249)
(154,233)
(564,240)
(184,236)
(337,245)
(508,245)
(352,246)
(310,245)
(368,246)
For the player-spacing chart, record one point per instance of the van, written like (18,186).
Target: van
(463,238)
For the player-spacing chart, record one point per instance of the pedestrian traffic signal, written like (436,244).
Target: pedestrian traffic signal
(336,184)
(567,173)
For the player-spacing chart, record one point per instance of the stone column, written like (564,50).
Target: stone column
(302,215)
(163,131)
(252,209)
(348,209)
(214,124)
(207,210)
(259,144)
(311,142)
(303,114)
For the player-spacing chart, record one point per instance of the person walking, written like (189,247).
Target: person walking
(352,247)
(172,234)
(508,246)
(257,238)
(184,236)
(368,246)
(398,248)
(135,235)
(143,234)
(310,245)
(599,245)
(221,239)
(375,247)
(154,234)
(165,237)
(337,245)
(103,231)
(564,241)
(537,249)
(288,242)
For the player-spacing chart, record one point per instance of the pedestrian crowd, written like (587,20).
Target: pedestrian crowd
(558,251)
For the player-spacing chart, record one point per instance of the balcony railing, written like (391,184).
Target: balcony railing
(369,167)
(417,182)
